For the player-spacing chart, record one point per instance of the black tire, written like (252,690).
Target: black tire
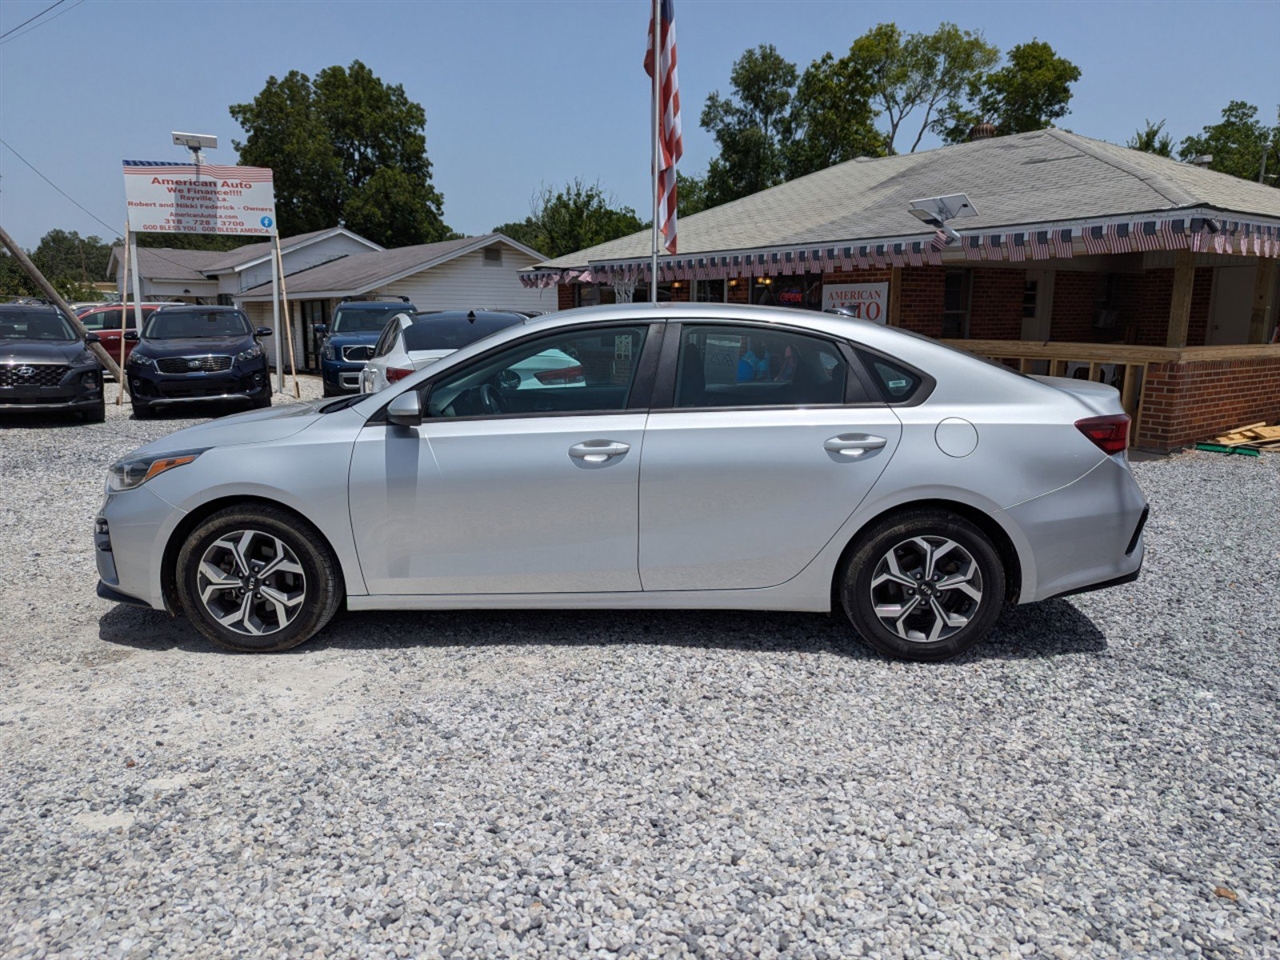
(330,392)
(895,533)
(320,587)
(97,415)
(263,403)
(142,411)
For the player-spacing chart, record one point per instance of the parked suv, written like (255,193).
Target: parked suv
(45,365)
(349,340)
(191,354)
(104,320)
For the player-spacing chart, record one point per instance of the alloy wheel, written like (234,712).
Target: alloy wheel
(251,582)
(926,589)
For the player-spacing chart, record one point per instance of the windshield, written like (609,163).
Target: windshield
(28,324)
(366,318)
(195,324)
(455,331)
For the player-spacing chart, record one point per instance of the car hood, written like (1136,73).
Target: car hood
(198,346)
(255,426)
(40,351)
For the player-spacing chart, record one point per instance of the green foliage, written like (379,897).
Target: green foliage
(69,258)
(1237,143)
(831,118)
(691,194)
(749,126)
(1152,139)
(575,217)
(346,148)
(918,71)
(1029,92)
(14,281)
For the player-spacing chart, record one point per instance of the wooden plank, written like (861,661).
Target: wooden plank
(895,297)
(1129,390)
(1094,369)
(1184,274)
(1024,365)
(1263,285)
(1058,368)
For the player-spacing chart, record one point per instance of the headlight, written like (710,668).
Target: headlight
(135,471)
(327,352)
(137,359)
(253,353)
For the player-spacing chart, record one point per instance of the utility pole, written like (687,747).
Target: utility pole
(25,262)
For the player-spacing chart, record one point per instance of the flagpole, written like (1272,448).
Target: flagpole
(656,27)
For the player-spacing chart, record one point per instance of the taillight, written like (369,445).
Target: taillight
(1109,434)
(565,375)
(397,373)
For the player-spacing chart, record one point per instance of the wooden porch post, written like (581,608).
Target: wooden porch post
(1263,288)
(895,296)
(1184,274)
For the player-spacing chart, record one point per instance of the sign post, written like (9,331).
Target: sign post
(124,313)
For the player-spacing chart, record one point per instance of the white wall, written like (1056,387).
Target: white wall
(467,283)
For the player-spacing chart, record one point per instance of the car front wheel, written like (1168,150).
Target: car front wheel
(257,579)
(923,585)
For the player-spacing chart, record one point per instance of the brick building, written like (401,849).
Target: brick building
(1084,259)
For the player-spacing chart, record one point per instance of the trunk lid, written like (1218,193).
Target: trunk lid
(1100,398)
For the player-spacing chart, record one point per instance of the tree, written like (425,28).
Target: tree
(346,148)
(1029,92)
(69,258)
(1152,139)
(1237,143)
(575,217)
(831,118)
(749,129)
(918,71)
(691,194)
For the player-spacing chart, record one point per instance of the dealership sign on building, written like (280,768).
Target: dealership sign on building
(166,197)
(870,301)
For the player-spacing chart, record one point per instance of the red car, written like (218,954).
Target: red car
(105,322)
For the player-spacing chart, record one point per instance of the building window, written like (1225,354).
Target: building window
(803,291)
(492,256)
(955,305)
(1030,291)
(709,291)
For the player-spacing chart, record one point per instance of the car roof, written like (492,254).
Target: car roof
(211,308)
(464,314)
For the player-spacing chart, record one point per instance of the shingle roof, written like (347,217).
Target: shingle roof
(254,251)
(360,272)
(162,263)
(1029,178)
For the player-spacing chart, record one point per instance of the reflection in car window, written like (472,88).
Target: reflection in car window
(728,366)
(577,371)
(453,331)
(388,338)
(194,324)
(366,318)
(39,324)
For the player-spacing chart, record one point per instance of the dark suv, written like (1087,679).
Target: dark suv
(349,340)
(192,354)
(45,365)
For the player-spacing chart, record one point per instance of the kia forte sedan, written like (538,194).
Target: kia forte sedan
(708,457)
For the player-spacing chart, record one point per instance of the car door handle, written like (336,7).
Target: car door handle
(853,445)
(598,451)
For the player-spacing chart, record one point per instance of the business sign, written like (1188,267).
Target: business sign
(165,197)
(870,301)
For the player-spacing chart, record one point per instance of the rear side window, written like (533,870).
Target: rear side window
(748,366)
(898,383)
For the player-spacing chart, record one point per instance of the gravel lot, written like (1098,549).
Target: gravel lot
(1099,780)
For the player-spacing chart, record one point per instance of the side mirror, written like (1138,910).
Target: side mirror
(262,332)
(320,328)
(406,409)
(92,338)
(131,335)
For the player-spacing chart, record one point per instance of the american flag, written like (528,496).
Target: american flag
(896,255)
(191,171)
(1197,233)
(1173,234)
(972,248)
(670,144)
(789,264)
(939,240)
(1094,240)
(991,247)
(1062,242)
(1038,243)
(1118,237)
(1146,235)
(862,257)
(915,253)
(1017,247)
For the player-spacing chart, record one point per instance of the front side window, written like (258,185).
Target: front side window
(576,371)
(728,366)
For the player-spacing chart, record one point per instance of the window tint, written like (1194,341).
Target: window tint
(726,366)
(388,338)
(577,371)
(365,318)
(897,382)
(39,324)
(195,324)
(453,331)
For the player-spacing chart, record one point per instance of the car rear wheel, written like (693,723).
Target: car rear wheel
(257,579)
(923,585)
(97,415)
(331,392)
(142,411)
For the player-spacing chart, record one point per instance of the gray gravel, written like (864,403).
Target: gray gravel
(647,785)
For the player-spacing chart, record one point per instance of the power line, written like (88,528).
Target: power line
(36,17)
(58,188)
(41,23)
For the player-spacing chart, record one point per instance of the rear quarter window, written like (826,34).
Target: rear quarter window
(896,382)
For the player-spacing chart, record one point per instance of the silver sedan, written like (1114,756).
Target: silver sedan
(696,456)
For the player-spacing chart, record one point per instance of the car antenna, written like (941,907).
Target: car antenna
(471,316)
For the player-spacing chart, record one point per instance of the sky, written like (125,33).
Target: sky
(522,93)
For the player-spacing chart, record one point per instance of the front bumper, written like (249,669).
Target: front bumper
(79,389)
(340,376)
(151,388)
(129,536)
(1087,535)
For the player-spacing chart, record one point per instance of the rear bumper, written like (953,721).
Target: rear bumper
(342,376)
(1086,536)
